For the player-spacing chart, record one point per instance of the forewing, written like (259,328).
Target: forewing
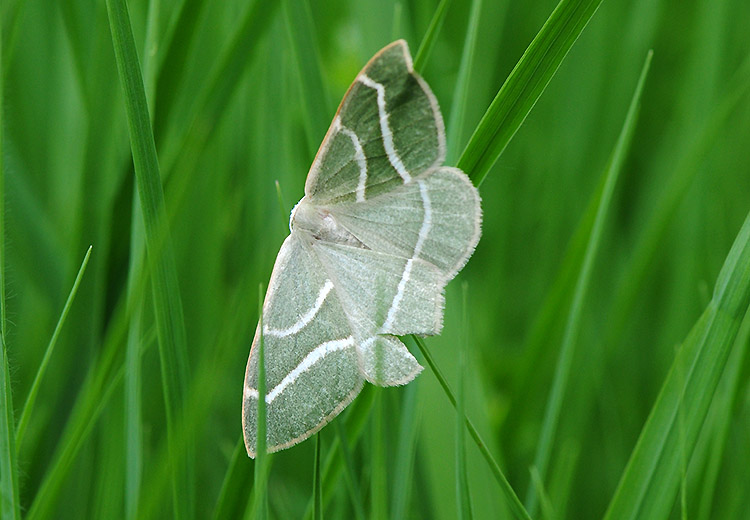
(388,129)
(436,218)
(310,357)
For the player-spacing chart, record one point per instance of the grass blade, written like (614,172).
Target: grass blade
(31,399)
(650,481)
(237,480)
(718,430)
(463,498)
(9,501)
(405,452)
(524,86)
(317,486)
(356,419)
(564,366)
(349,472)
(544,500)
(429,38)
(461,92)
(92,399)
(133,380)
(315,100)
(213,98)
(682,178)
(11,26)
(170,70)
(261,457)
(512,499)
(379,477)
(165,288)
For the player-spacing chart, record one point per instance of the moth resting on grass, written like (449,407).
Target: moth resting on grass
(382,228)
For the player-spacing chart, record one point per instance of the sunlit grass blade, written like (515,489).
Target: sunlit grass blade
(429,38)
(463,498)
(167,302)
(524,86)
(31,399)
(315,100)
(564,365)
(513,502)
(649,483)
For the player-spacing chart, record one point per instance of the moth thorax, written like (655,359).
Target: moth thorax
(320,224)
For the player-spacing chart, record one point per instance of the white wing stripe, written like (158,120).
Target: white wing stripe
(427,222)
(359,156)
(306,318)
(399,295)
(315,355)
(385,128)
(424,230)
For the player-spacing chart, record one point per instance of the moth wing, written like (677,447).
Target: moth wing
(383,293)
(384,360)
(387,130)
(311,363)
(436,218)
(383,296)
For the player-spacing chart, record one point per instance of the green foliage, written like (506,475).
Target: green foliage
(608,283)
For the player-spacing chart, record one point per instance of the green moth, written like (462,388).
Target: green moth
(382,228)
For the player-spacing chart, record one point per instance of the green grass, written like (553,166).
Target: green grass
(598,357)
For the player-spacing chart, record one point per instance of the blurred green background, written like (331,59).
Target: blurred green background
(680,200)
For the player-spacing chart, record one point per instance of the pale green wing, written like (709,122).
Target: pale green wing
(312,366)
(436,218)
(388,130)
(384,295)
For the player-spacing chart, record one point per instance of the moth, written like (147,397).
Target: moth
(382,228)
